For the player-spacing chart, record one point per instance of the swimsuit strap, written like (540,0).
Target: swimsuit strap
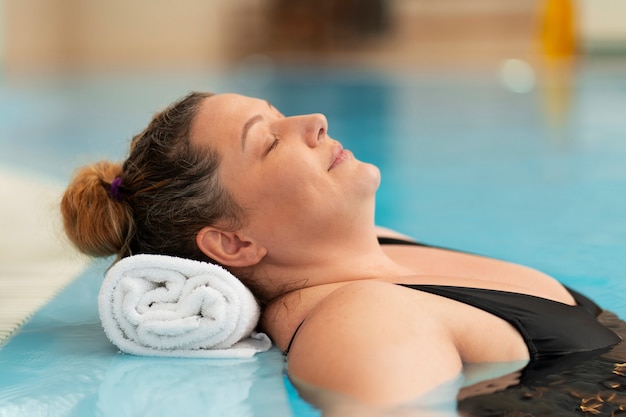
(397,241)
(408,242)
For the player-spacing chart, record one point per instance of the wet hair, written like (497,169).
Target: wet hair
(157,200)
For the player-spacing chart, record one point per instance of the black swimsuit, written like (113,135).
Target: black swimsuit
(548,327)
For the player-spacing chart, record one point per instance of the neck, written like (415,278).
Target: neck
(327,262)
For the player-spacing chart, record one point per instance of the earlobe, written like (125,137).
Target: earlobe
(229,248)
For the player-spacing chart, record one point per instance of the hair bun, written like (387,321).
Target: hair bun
(94,222)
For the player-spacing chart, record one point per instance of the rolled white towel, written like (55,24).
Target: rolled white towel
(157,305)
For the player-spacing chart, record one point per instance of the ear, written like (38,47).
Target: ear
(229,248)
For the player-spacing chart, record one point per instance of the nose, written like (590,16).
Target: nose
(314,128)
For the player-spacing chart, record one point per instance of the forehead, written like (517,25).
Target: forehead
(222,116)
(223,107)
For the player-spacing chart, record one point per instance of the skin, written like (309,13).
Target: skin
(310,240)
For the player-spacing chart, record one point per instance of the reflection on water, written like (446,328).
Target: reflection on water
(584,384)
(61,364)
(218,387)
(440,402)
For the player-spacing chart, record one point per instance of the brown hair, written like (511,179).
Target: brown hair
(166,191)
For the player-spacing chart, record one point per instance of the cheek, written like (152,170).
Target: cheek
(290,179)
(291,190)
(269,192)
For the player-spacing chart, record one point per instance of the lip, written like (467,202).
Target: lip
(339,155)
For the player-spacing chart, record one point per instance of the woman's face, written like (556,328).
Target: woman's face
(288,175)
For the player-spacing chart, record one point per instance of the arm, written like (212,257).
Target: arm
(364,341)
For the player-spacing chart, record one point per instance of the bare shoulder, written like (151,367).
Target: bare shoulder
(359,341)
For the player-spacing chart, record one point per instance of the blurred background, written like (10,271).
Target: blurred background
(40,36)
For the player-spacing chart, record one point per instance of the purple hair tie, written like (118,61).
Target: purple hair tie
(114,189)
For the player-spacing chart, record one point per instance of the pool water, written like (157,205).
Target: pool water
(537,178)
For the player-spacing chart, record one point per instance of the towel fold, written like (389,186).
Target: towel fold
(157,305)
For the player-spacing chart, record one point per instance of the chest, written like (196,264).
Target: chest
(444,267)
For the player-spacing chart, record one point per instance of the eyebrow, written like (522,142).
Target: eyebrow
(248,125)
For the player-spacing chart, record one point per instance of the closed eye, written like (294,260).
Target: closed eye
(272,146)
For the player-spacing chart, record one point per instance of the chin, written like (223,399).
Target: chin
(375,172)
(371,177)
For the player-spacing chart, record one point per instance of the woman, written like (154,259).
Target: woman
(360,310)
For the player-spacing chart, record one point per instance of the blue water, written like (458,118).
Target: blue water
(536,178)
